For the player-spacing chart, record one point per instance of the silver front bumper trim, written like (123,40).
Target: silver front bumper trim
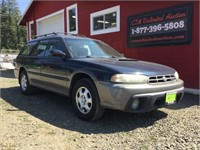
(159,93)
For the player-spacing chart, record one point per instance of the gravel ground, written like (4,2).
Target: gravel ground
(46,121)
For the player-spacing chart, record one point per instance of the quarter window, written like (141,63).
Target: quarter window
(39,50)
(72,19)
(105,21)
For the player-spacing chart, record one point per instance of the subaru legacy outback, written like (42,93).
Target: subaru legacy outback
(95,76)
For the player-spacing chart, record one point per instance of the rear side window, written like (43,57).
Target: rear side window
(55,44)
(27,49)
(39,49)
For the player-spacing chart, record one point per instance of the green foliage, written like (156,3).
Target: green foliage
(12,35)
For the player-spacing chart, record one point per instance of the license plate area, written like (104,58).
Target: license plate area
(170,98)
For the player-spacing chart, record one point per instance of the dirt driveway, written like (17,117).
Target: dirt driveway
(46,121)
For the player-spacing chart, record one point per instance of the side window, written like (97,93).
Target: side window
(39,49)
(27,49)
(72,19)
(54,44)
(105,21)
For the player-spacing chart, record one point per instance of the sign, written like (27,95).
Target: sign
(169,26)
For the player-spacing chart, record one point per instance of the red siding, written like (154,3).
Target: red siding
(184,58)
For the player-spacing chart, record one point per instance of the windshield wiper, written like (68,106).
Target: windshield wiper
(88,56)
(116,56)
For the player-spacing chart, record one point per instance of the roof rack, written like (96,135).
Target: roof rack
(66,33)
(45,35)
(56,33)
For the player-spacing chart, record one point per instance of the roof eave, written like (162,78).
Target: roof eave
(21,19)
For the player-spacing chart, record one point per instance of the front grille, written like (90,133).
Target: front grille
(161,78)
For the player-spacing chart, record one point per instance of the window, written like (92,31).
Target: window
(31,29)
(27,49)
(54,44)
(39,50)
(90,48)
(72,19)
(105,21)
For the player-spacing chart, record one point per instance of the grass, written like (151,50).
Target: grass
(2,102)
(8,146)
(51,133)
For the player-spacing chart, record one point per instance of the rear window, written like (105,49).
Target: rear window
(39,49)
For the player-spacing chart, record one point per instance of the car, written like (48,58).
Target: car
(95,76)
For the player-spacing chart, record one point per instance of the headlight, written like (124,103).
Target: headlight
(176,75)
(129,78)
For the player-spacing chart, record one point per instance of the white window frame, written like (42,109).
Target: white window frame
(27,31)
(104,12)
(29,27)
(49,16)
(74,6)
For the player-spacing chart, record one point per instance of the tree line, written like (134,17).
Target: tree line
(13,36)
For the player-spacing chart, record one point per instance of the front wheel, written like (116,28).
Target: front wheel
(86,100)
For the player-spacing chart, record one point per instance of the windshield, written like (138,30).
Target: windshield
(90,48)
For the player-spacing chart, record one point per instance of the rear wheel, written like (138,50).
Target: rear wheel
(86,100)
(25,87)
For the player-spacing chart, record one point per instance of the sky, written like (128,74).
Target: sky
(23,4)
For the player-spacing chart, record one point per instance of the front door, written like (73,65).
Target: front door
(54,69)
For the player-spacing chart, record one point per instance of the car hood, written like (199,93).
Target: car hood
(131,66)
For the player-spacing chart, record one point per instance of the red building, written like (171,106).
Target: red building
(161,32)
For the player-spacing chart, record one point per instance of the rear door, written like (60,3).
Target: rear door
(36,56)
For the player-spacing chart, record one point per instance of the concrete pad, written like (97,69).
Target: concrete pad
(6,65)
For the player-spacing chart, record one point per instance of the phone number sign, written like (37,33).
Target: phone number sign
(168,26)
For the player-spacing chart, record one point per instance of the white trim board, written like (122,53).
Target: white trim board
(29,27)
(27,8)
(27,31)
(51,15)
(192,91)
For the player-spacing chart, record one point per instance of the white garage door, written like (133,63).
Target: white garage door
(51,23)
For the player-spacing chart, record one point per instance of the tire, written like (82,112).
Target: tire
(86,101)
(25,87)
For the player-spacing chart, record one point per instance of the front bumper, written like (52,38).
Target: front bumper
(121,96)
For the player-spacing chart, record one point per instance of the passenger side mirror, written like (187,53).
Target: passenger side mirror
(58,53)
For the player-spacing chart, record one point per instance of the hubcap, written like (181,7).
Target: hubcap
(24,82)
(83,100)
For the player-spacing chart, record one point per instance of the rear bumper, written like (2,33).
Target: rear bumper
(121,96)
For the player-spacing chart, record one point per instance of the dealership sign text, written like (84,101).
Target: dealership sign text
(164,27)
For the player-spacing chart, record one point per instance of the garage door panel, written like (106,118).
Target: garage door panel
(52,24)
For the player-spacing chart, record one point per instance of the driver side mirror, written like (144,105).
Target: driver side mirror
(58,53)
